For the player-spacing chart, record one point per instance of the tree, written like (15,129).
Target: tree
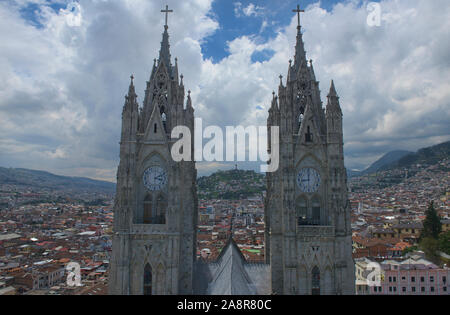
(432,225)
(430,247)
(444,242)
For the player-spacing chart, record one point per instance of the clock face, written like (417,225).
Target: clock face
(308,180)
(155,178)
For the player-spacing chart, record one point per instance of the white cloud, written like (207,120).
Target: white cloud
(250,10)
(62,87)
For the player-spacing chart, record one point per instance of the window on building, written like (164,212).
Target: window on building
(390,279)
(390,289)
(403,278)
(316,211)
(161,208)
(422,279)
(413,289)
(432,289)
(404,289)
(444,279)
(431,278)
(413,279)
(302,210)
(308,135)
(444,289)
(148,209)
(315,279)
(155,128)
(147,280)
(423,289)
(395,279)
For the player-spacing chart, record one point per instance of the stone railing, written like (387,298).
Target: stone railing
(148,228)
(315,230)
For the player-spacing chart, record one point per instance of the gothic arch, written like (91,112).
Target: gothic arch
(161,280)
(154,158)
(148,280)
(315,162)
(315,281)
(327,281)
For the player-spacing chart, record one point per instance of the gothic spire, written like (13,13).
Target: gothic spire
(311,68)
(332,92)
(300,54)
(189,102)
(131,90)
(131,98)
(333,99)
(164,53)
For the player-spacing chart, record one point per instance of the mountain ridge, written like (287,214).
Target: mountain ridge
(404,159)
(44,179)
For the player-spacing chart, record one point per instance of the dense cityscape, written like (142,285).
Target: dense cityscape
(38,240)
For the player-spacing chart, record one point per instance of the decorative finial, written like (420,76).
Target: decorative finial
(281,79)
(166,11)
(298,11)
(290,61)
(310,62)
(132,78)
(189,93)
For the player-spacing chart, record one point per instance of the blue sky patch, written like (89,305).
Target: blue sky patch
(262,55)
(32,12)
(257,19)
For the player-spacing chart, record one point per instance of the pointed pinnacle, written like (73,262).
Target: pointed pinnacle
(332,90)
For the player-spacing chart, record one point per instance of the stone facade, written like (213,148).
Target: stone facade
(308,236)
(155,213)
(309,245)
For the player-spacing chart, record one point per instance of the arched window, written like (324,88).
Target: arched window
(164,121)
(302,210)
(147,280)
(155,128)
(148,210)
(315,281)
(161,208)
(308,135)
(316,211)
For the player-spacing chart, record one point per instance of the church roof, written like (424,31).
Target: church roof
(230,277)
(231,274)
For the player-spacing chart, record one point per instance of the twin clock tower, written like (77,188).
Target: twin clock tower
(155,212)
(307,216)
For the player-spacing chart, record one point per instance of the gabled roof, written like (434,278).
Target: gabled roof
(230,277)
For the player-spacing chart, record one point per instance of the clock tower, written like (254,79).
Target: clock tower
(308,233)
(155,211)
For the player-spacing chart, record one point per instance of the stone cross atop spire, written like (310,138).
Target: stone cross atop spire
(300,54)
(164,53)
(298,11)
(166,11)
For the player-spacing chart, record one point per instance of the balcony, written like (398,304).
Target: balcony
(312,228)
(308,222)
(159,219)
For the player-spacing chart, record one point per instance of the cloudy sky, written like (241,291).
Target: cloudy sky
(65,69)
